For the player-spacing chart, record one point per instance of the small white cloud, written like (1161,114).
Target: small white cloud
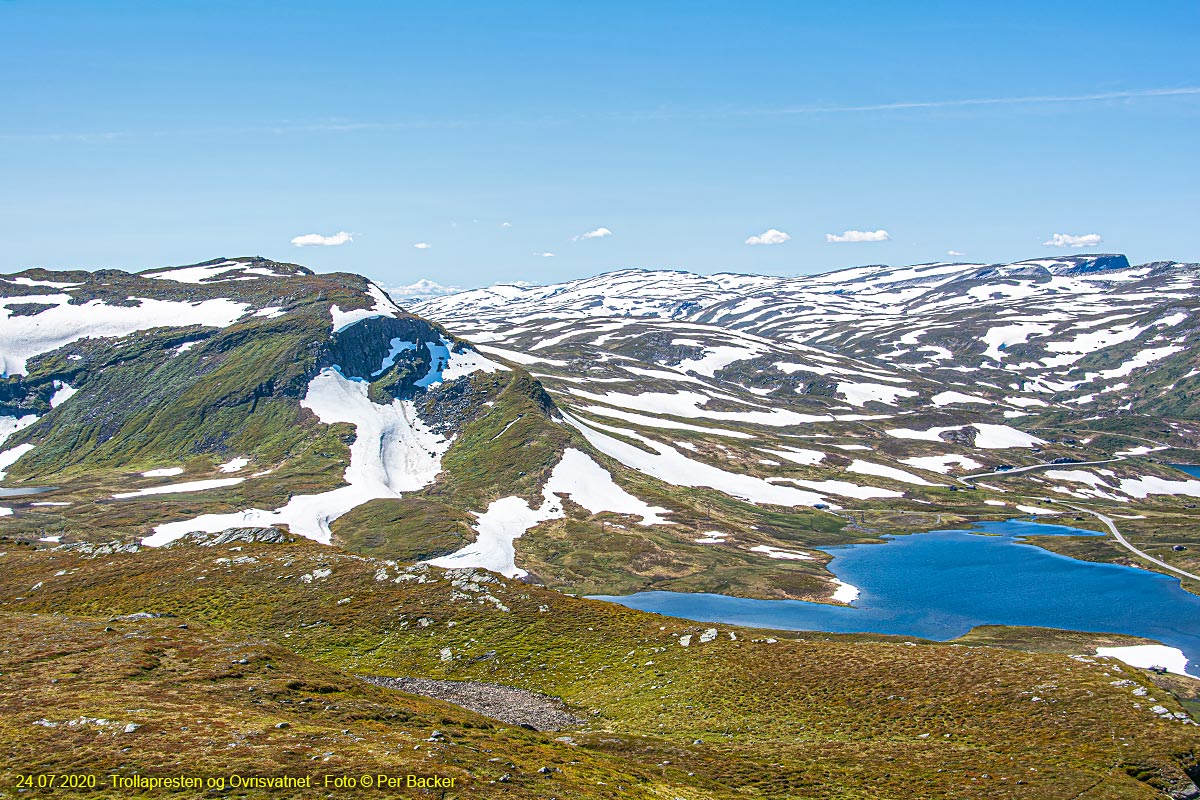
(505,224)
(317,240)
(422,245)
(858,236)
(544,255)
(955,253)
(1067,240)
(770,236)
(599,233)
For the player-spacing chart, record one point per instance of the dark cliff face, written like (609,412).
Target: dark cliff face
(363,350)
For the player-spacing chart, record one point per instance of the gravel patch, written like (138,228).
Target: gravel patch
(515,706)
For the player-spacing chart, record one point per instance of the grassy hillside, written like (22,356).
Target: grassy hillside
(735,713)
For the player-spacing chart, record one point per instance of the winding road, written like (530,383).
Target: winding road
(1018,470)
(1108,521)
(1112,527)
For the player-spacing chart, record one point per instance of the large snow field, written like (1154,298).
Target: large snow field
(799,455)
(1144,656)
(393,452)
(10,425)
(11,456)
(858,394)
(780,553)
(507,519)
(518,357)
(446,365)
(175,488)
(23,281)
(671,466)
(687,405)
(1003,336)
(716,358)
(942,464)
(212,273)
(990,437)
(659,422)
(883,471)
(1076,476)
(24,337)
(957,398)
(1148,485)
(591,486)
(162,472)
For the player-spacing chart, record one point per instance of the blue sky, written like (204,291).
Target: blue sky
(138,134)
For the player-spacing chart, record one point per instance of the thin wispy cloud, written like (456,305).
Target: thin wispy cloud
(955,253)
(505,224)
(598,233)
(1068,240)
(769,236)
(422,245)
(1096,97)
(350,126)
(858,236)
(317,240)
(544,255)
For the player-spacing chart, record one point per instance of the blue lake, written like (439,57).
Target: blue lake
(1190,469)
(939,585)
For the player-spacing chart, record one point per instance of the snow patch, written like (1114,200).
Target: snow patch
(990,437)
(165,472)
(1035,510)
(62,393)
(1148,485)
(845,593)
(776,552)
(942,464)
(507,519)
(383,307)
(393,452)
(671,466)
(175,488)
(1144,656)
(882,471)
(857,394)
(24,337)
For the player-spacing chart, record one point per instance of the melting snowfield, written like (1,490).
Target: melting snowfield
(668,464)
(393,452)
(1144,656)
(24,337)
(507,519)
(175,488)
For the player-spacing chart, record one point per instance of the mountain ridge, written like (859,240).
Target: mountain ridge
(767,417)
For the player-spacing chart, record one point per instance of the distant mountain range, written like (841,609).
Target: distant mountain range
(633,430)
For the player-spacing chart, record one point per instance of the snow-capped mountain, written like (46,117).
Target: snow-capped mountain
(1077,331)
(633,430)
